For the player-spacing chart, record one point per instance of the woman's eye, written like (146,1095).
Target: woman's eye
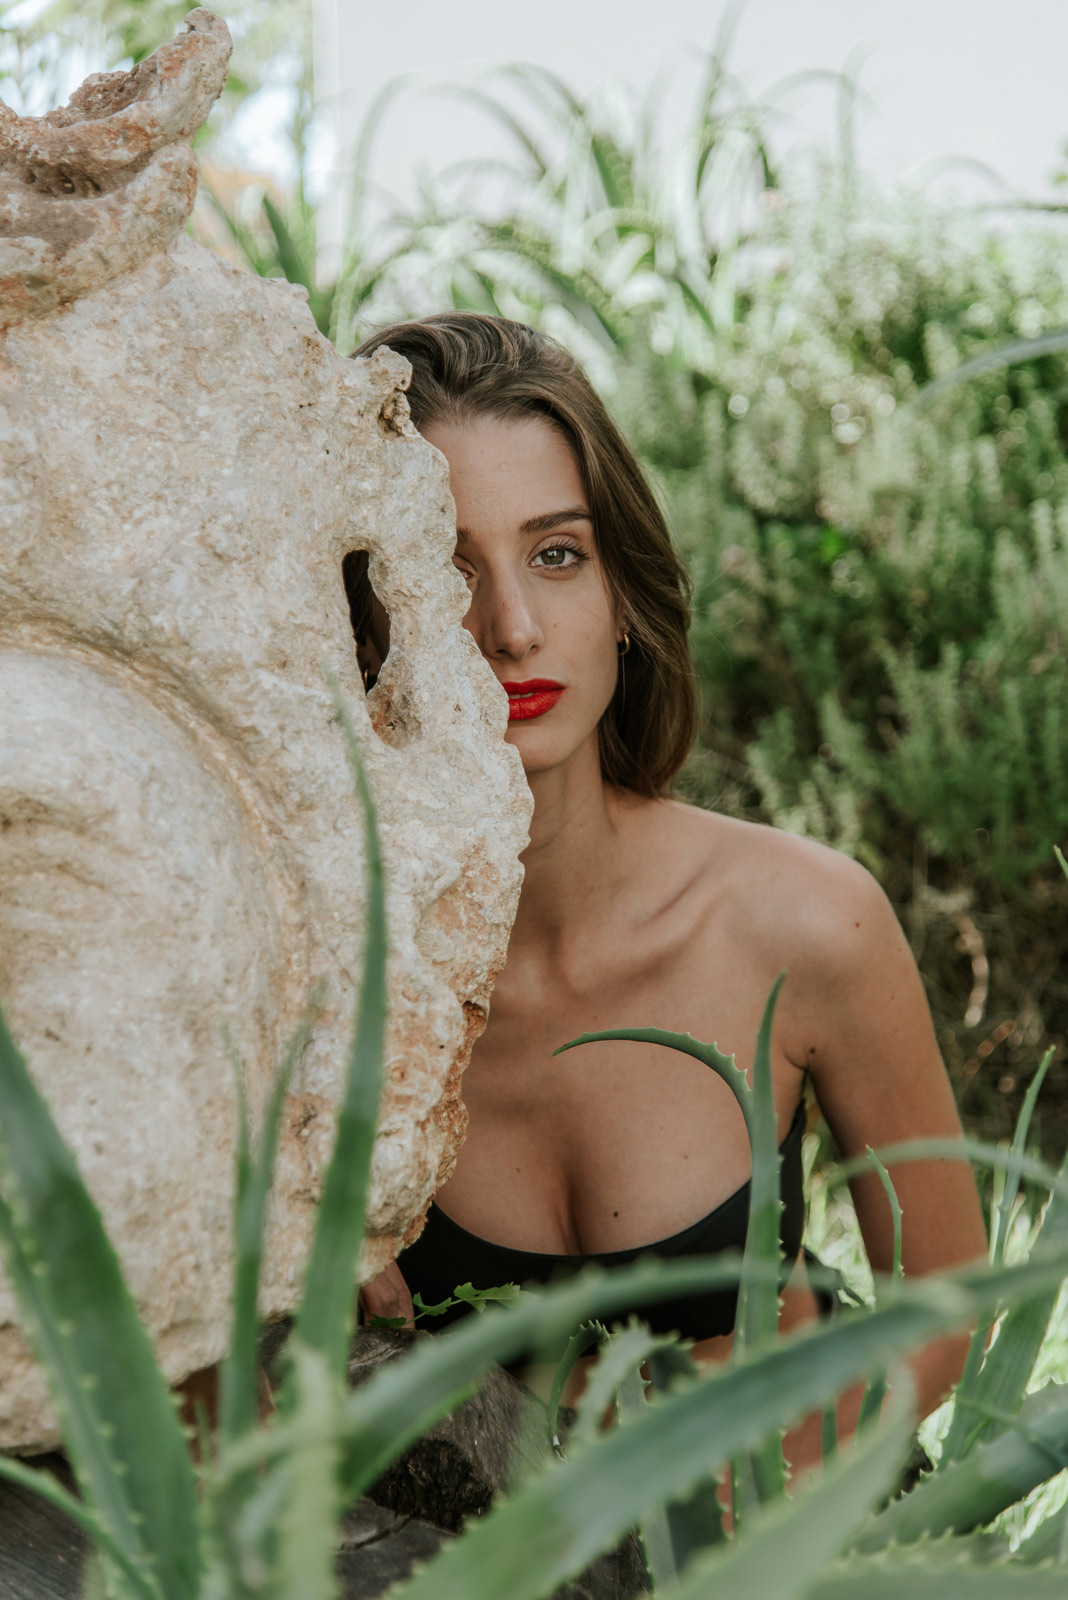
(556,555)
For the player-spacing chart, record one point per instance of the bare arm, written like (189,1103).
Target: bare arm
(866,1036)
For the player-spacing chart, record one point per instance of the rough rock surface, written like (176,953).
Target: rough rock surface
(184,463)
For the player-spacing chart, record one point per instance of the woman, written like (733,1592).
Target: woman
(638,910)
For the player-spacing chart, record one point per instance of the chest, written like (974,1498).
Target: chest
(612,1144)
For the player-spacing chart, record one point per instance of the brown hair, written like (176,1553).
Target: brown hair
(467,365)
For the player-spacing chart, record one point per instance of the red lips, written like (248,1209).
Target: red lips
(531,699)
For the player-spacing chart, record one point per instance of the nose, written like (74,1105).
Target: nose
(502,619)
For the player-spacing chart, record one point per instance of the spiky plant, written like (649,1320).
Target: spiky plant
(265,1521)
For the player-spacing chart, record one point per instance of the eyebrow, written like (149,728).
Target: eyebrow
(546,522)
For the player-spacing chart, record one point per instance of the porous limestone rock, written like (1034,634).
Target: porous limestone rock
(184,463)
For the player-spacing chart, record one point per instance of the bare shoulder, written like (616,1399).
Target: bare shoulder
(809,907)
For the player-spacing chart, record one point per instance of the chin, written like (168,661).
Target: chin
(547,753)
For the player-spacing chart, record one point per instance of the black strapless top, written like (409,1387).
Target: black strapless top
(446,1255)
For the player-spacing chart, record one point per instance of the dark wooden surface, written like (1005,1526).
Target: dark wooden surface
(42,1553)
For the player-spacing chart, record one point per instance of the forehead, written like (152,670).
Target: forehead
(505,471)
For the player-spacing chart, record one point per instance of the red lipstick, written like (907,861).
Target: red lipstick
(531,699)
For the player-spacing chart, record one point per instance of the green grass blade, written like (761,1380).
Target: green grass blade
(1019,1145)
(119,1422)
(566,1517)
(48,1488)
(975,1151)
(325,1317)
(875,1393)
(789,1546)
(500,113)
(293,263)
(237,1377)
(994,1475)
(1006,355)
(1061,859)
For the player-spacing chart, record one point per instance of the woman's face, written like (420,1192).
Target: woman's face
(541,612)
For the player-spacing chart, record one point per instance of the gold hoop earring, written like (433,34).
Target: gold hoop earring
(625,645)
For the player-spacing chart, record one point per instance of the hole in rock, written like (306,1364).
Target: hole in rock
(369,617)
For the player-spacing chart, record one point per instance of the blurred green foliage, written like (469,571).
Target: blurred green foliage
(880,552)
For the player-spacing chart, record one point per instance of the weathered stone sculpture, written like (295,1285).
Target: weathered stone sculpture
(184,463)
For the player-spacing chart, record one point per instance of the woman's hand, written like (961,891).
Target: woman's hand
(386,1296)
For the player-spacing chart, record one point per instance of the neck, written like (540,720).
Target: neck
(573,866)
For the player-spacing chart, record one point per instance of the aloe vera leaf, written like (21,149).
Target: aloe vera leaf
(758,1320)
(564,1518)
(239,1376)
(654,1535)
(325,1317)
(137,1582)
(581,1340)
(790,1544)
(995,1474)
(119,1422)
(238,1398)
(670,1534)
(304,1555)
(995,1378)
(758,1109)
(696,1520)
(763,1477)
(710,1054)
(1047,1542)
(932,1575)
(1010,1360)
(758,1302)
(622,1354)
(404,1399)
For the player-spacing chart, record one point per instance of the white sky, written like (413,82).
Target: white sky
(982,79)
